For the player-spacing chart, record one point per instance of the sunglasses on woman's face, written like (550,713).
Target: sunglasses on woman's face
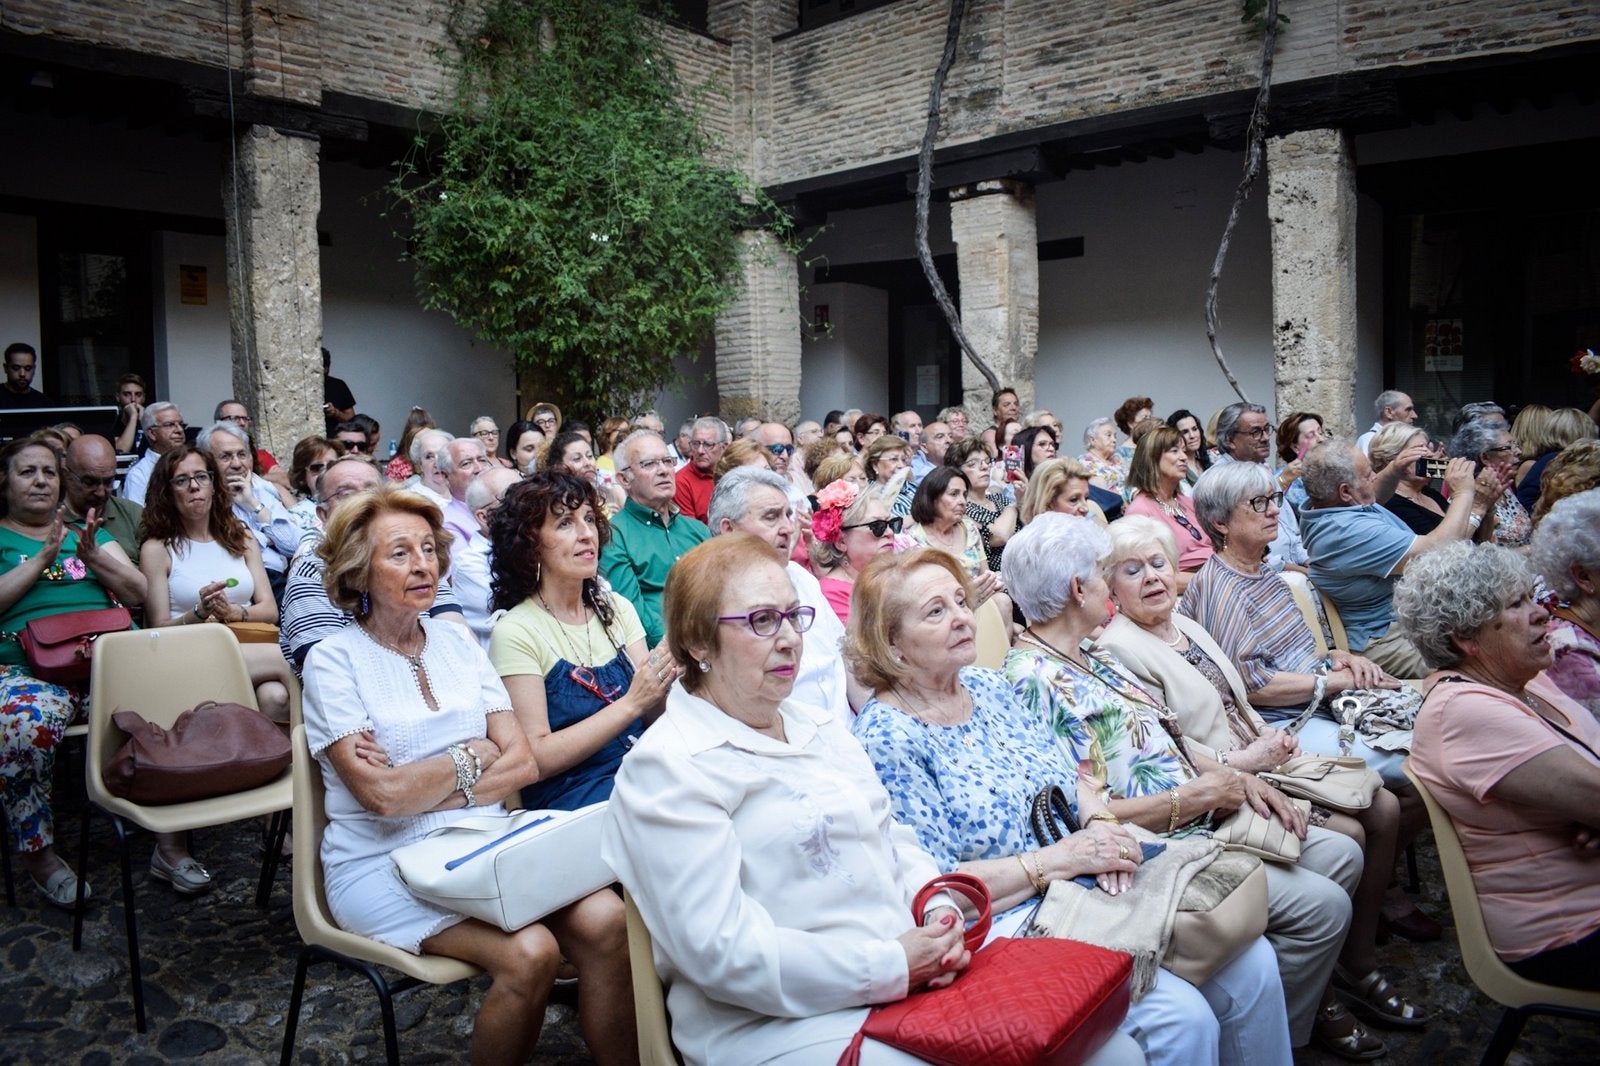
(880,526)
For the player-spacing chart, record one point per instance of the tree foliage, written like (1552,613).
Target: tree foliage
(567,210)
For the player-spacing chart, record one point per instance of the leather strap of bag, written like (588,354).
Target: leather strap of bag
(965,885)
(1051,816)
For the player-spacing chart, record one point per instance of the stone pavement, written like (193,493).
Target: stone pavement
(218,974)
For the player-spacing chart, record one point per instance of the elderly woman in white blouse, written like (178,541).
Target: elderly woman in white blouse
(760,846)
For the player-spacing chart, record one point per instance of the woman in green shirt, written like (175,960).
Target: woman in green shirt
(46,567)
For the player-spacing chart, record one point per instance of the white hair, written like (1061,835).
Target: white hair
(1043,557)
(731,498)
(151,413)
(418,443)
(1452,592)
(230,428)
(1568,534)
(1224,487)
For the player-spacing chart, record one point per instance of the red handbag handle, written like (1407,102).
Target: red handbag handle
(965,885)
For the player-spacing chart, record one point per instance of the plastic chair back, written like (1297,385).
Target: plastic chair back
(1497,980)
(1301,587)
(1335,624)
(994,635)
(649,1005)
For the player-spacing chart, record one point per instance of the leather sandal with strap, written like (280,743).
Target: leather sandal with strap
(1337,1032)
(1374,1000)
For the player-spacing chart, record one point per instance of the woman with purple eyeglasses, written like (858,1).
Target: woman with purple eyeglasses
(571,653)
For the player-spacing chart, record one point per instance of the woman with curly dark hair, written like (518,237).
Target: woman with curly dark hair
(572,655)
(202,565)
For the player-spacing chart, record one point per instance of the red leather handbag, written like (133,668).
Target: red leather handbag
(59,646)
(1021,1002)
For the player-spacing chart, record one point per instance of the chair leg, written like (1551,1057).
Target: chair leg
(131,921)
(276,829)
(1505,1036)
(83,877)
(291,1021)
(1413,880)
(5,827)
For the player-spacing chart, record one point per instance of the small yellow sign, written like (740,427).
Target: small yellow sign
(192,284)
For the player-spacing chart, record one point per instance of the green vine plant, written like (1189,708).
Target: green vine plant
(567,210)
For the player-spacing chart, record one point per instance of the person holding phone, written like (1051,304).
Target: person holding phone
(1415,501)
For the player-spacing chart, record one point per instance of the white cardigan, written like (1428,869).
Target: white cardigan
(1182,687)
(772,876)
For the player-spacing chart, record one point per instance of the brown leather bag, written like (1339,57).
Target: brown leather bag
(59,646)
(211,750)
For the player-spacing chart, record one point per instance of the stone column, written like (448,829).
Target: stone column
(997,258)
(275,284)
(1311,208)
(758,338)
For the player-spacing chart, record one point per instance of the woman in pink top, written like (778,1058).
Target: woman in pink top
(850,526)
(1157,477)
(1513,760)
(1566,552)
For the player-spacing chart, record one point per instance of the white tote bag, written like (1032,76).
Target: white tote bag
(509,871)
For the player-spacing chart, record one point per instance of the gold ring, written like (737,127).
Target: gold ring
(1122,851)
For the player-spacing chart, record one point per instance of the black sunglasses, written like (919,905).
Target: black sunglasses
(356,445)
(880,525)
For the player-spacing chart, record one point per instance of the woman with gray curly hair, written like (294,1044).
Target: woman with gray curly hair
(1566,551)
(1490,444)
(1509,756)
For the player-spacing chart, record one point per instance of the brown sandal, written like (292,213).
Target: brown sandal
(1338,1033)
(1374,1000)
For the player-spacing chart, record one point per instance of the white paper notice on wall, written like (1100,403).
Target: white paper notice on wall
(930,384)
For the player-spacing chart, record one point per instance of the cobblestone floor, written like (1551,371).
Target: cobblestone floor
(218,973)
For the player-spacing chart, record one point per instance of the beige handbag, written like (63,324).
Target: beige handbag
(1265,838)
(1342,783)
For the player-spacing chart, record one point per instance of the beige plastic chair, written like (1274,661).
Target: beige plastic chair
(160,673)
(1521,997)
(1300,585)
(1335,623)
(993,637)
(324,941)
(649,1005)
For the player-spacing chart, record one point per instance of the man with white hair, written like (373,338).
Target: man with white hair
(308,615)
(472,559)
(753,500)
(649,534)
(806,433)
(163,431)
(430,483)
(745,428)
(707,441)
(460,461)
(255,500)
(907,425)
(1392,406)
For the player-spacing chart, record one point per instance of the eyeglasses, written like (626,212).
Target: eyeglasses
(1183,521)
(355,445)
(545,420)
(106,483)
(648,466)
(339,494)
(316,468)
(880,526)
(1259,433)
(781,449)
(183,481)
(704,445)
(485,434)
(765,622)
(1259,504)
(1514,449)
(169,425)
(587,680)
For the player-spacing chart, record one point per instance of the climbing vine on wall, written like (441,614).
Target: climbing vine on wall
(566,210)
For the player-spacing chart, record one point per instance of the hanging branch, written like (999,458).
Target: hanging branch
(924,186)
(1255,140)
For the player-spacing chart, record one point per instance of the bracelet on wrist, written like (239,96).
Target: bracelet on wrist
(1027,873)
(1177,810)
(1040,885)
(1103,816)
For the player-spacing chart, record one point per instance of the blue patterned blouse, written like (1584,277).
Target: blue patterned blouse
(966,789)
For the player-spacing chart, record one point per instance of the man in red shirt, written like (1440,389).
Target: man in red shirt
(707,441)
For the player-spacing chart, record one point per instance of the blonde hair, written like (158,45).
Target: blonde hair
(833,467)
(742,452)
(878,449)
(877,611)
(1389,442)
(347,546)
(1048,479)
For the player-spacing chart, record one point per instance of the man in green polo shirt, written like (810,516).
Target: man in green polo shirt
(649,534)
(89,473)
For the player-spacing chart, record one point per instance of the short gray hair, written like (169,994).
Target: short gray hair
(1228,420)
(1569,533)
(1474,438)
(1386,399)
(230,428)
(148,419)
(446,458)
(1223,488)
(622,454)
(472,427)
(1452,592)
(731,498)
(1043,557)
(1327,466)
(1090,430)
(1131,533)
(418,443)
(712,422)
(944,416)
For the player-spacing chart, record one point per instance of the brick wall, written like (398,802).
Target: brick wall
(189,30)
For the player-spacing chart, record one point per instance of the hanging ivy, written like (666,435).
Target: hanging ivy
(566,210)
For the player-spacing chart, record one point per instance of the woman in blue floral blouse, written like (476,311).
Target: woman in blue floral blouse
(961,763)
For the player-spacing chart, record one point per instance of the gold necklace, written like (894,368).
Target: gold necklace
(905,697)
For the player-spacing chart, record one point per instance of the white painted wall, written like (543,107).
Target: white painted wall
(847,367)
(19,283)
(194,364)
